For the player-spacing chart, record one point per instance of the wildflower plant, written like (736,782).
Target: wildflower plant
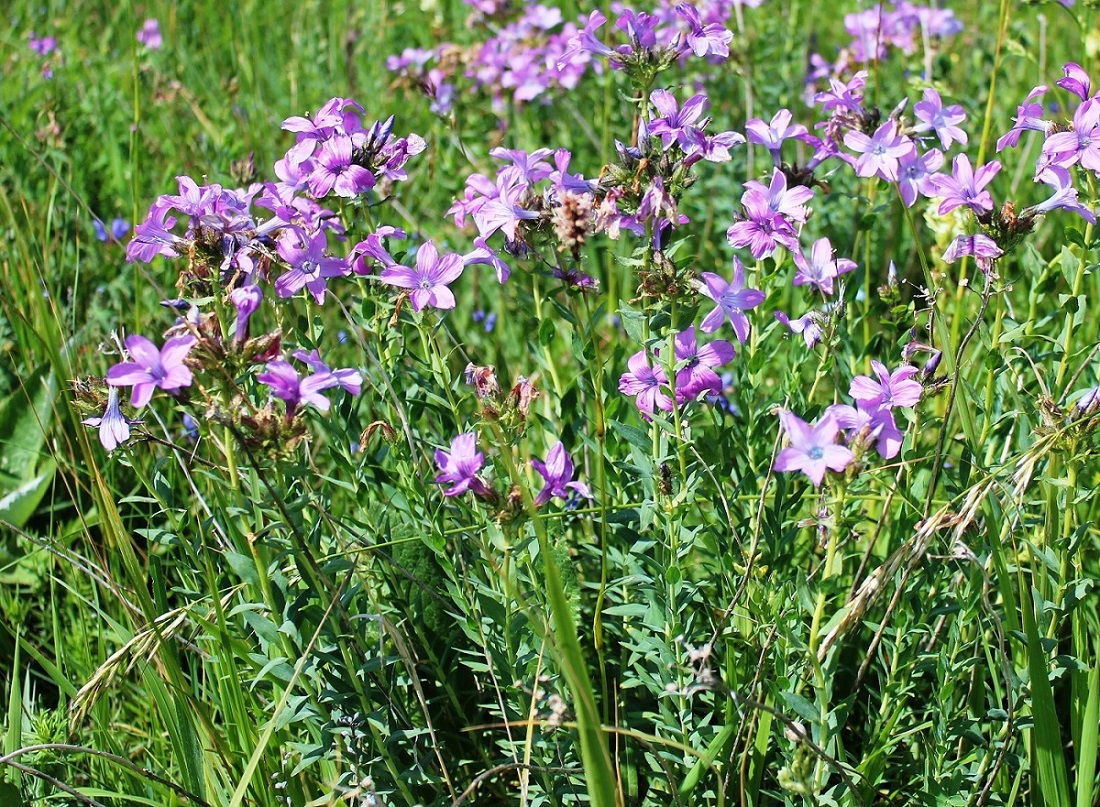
(737,442)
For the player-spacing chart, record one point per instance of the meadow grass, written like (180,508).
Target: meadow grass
(226,611)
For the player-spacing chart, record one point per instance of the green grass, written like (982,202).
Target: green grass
(190,623)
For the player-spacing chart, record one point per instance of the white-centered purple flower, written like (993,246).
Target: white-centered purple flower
(880,153)
(812,449)
(944,121)
(310,267)
(809,326)
(917,174)
(896,389)
(557,473)
(867,423)
(428,281)
(1065,195)
(348,379)
(980,246)
(1029,117)
(731,299)
(771,135)
(153,368)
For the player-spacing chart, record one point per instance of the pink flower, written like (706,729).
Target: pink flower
(645,381)
(152,368)
(428,281)
(890,391)
(732,299)
(812,449)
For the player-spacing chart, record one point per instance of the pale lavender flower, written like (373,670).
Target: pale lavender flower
(483,254)
(1029,117)
(675,120)
(980,246)
(149,35)
(373,247)
(532,166)
(710,40)
(732,300)
(896,389)
(772,135)
(696,374)
(154,237)
(346,378)
(334,171)
(965,187)
(933,116)
(790,203)
(821,268)
(808,325)
(114,427)
(557,473)
(869,422)
(153,368)
(427,283)
(502,210)
(880,153)
(43,46)
(1065,195)
(917,174)
(459,466)
(812,449)
(1081,144)
(644,381)
(762,230)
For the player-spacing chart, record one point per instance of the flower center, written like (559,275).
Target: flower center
(309,267)
(816,453)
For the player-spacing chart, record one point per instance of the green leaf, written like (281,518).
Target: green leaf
(18,505)
(24,419)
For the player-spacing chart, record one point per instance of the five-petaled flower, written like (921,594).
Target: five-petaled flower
(153,368)
(813,448)
(428,281)
(732,299)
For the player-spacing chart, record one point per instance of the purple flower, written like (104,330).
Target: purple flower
(732,300)
(459,466)
(943,121)
(43,46)
(152,368)
(917,174)
(348,379)
(334,171)
(866,422)
(879,154)
(246,299)
(286,384)
(154,237)
(891,390)
(696,373)
(1082,143)
(762,230)
(790,203)
(1076,80)
(501,208)
(428,281)
(1029,117)
(821,268)
(484,254)
(711,40)
(1065,195)
(310,268)
(813,449)
(532,167)
(119,228)
(374,247)
(980,246)
(557,472)
(964,187)
(644,381)
(772,135)
(114,427)
(149,35)
(809,325)
(675,120)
